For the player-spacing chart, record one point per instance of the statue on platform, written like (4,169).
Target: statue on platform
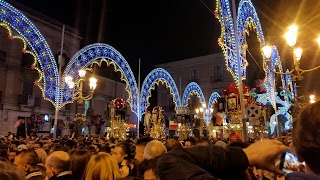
(118,127)
(157,121)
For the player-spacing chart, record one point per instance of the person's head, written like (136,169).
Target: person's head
(79,161)
(122,151)
(14,144)
(30,144)
(220,143)
(71,144)
(10,172)
(56,163)
(12,153)
(37,145)
(232,131)
(98,147)
(140,145)
(305,137)
(42,155)
(204,142)
(149,169)
(27,161)
(172,143)
(190,142)
(154,149)
(102,166)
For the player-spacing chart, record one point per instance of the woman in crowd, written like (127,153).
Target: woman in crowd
(79,161)
(101,167)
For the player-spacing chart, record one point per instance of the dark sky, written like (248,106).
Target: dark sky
(159,31)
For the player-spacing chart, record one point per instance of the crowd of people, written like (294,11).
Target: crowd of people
(96,158)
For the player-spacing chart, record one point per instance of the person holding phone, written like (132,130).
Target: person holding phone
(306,143)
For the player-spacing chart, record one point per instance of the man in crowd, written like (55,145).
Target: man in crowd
(57,166)
(211,162)
(154,149)
(306,142)
(172,143)
(234,136)
(12,153)
(27,162)
(190,142)
(140,145)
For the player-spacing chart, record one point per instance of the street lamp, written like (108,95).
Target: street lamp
(296,73)
(312,99)
(78,91)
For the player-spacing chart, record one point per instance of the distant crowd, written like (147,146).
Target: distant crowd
(97,158)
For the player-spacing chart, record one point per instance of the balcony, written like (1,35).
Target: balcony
(216,79)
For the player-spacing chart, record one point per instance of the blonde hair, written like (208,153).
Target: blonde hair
(102,166)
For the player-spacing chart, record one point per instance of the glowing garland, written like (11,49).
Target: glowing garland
(98,53)
(13,18)
(227,37)
(192,88)
(154,77)
(246,18)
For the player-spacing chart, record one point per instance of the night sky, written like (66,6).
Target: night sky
(159,31)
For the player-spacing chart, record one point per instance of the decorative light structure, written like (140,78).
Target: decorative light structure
(155,77)
(98,53)
(44,62)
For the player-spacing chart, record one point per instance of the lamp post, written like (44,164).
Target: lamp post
(205,112)
(78,91)
(296,73)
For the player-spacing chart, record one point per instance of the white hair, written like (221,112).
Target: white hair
(154,149)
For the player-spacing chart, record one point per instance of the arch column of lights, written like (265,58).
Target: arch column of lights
(155,77)
(44,63)
(98,53)
(246,18)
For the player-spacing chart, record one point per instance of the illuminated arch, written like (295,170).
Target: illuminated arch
(227,37)
(154,77)
(246,18)
(213,98)
(98,53)
(44,63)
(191,89)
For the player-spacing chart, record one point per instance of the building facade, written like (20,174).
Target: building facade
(20,98)
(208,71)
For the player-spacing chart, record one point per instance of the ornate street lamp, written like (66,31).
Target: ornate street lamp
(78,92)
(296,73)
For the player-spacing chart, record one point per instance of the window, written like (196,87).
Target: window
(3,56)
(217,75)
(27,88)
(194,75)
(37,101)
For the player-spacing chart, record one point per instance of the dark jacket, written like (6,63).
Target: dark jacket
(202,162)
(66,175)
(35,175)
(301,176)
